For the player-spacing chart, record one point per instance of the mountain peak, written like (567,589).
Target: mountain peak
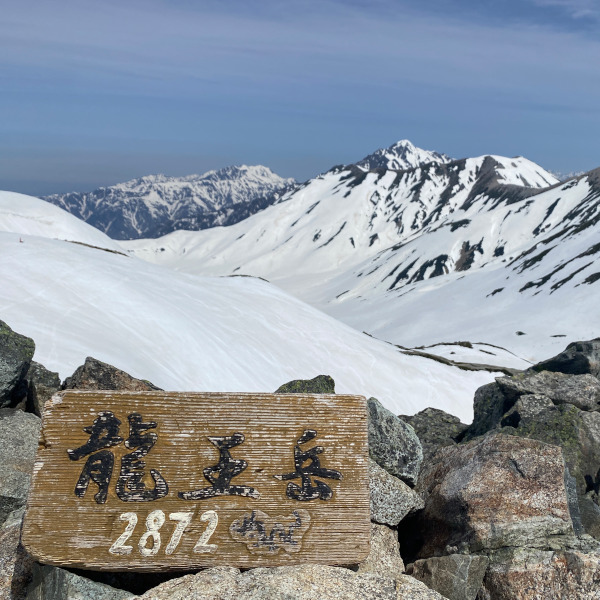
(401,156)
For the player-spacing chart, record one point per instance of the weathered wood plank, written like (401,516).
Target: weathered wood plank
(110,491)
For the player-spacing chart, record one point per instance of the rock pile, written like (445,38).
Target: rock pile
(505,508)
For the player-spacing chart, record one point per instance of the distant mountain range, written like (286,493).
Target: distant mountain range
(478,248)
(155,205)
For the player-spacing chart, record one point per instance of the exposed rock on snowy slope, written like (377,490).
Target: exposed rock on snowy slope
(184,332)
(155,205)
(473,249)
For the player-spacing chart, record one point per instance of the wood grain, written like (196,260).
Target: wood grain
(264,527)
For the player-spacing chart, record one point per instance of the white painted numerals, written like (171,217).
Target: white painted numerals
(202,544)
(118,547)
(154,521)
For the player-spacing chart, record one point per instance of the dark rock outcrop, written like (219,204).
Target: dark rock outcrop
(436,429)
(578,358)
(321,384)
(16,353)
(97,375)
(41,385)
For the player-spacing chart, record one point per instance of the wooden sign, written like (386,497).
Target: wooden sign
(158,481)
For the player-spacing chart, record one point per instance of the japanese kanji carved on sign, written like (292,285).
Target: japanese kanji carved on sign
(162,481)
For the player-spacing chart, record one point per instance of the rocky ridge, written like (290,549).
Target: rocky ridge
(505,508)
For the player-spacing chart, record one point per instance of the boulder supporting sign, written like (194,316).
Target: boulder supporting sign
(158,481)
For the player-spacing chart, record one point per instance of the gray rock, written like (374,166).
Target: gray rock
(384,558)
(590,515)
(393,444)
(582,391)
(53,583)
(19,433)
(391,498)
(302,582)
(321,384)
(578,358)
(42,384)
(15,563)
(533,574)
(493,492)
(16,352)
(436,429)
(456,577)
(96,375)
(529,406)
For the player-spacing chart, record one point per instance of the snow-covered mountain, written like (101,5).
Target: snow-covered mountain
(475,249)
(154,205)
(186,332)
(402,155)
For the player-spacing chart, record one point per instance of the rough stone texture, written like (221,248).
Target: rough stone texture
(489,406)
(384,558)
(582,391)
(456,577)
(391,498)
(41,385)
(529,574)
(526,407)
(435,429)
(578,358)
(393,444)
(19,432)
(96,375)
(305,582)
(15,563)
(16,352)
(321,384)
(493,492)
(52,583)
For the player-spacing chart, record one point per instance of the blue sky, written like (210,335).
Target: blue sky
(93,93)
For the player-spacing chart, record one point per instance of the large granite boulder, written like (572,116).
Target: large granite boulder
(303,582)
(393,444)
(391,498)
(19,433)
(490,493)
(96,375)
(533,574)
(321,384)
(436,429)
(456,576)
(16,352)
(578,358)
(42,384)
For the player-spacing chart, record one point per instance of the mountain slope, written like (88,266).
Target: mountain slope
(375,248)
(198,333)
(155,205)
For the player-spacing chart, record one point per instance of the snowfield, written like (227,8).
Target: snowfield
(186,332)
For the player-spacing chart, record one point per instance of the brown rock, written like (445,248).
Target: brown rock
(494,492)
(528,574)
(96,375)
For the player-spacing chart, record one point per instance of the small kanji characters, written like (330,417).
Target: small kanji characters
(308,491)
(221,474)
